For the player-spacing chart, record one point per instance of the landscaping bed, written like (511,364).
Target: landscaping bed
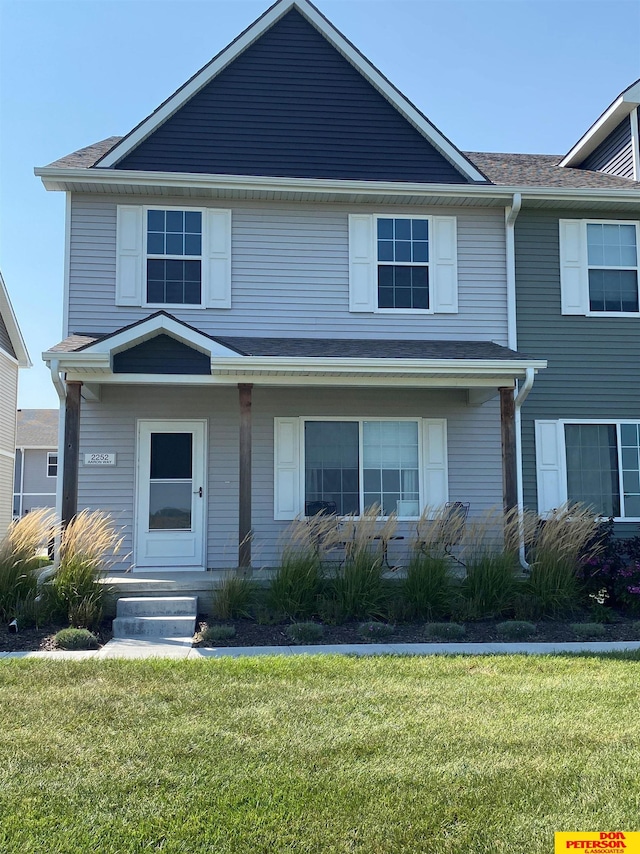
(31,639)
(250,633)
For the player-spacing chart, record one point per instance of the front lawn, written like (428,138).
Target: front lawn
(318,754)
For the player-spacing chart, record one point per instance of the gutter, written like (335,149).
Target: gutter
(522,395)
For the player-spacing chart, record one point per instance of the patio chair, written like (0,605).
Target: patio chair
(450,528)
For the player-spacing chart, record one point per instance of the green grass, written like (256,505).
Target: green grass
(316,754)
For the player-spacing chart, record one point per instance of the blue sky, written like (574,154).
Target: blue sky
(517,76)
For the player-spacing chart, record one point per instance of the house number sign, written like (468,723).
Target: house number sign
(100,459)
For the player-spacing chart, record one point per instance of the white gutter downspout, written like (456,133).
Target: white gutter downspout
(510,216)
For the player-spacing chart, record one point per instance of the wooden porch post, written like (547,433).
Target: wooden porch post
(509,465)
(71,452)
(244,480)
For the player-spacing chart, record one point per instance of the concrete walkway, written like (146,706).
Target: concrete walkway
(180,648)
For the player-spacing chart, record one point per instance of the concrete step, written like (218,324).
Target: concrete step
(156,627)
(157,606)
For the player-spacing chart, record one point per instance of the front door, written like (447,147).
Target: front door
(171,500)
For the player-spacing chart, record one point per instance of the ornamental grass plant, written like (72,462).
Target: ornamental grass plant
(294,588)
(19,563)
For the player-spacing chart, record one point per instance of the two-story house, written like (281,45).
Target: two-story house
(285,286)
(36,466)
(577,271)
(13,356)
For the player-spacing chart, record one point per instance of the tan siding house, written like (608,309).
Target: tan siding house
(13,355)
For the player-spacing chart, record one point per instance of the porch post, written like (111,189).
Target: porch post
(244,480)
(71,451)
(509,465)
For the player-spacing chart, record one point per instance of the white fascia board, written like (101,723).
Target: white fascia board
(600,130)
(11,322)
(88,179)
(143,332)
(247,38)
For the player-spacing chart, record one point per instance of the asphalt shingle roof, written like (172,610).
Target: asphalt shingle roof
(37,428)
(527,170)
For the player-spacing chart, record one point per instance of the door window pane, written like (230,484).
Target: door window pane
(171,456)
(592,467)
(169,506)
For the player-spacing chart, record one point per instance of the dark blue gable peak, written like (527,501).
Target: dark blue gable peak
(291,105)
(161,354)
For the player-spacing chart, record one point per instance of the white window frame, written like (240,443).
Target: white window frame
(584,265)
(146,256)
(395,311)
(609,422)
(49,463)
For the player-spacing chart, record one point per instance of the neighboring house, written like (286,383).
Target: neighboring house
(578,305)
(36,468)
(287,286)
(13,355)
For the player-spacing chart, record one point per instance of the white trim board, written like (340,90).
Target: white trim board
(339,42)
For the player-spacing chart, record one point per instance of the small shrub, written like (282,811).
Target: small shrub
(375,630)
(588,630)
(73,638)
(305,632)
(233,599)
(294,588)
(516,629)
(444,631)
(426,589)
(218,632)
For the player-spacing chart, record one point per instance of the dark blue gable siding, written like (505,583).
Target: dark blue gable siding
(614,155)
(292,106)
(5,341)
(161,355)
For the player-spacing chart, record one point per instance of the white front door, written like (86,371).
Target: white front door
(171,495)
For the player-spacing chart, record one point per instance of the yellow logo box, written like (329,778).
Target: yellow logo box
(611,840)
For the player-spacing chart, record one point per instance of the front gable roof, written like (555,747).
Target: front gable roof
(292,97)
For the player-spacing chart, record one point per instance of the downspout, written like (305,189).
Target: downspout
(21,508)
(510,217)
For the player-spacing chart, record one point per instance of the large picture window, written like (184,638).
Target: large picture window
(356,464)
(603,467)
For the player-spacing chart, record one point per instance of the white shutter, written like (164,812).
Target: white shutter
(434,462)
(573,267)
(443,265)
(129,255)
(550,466)
(216,259)
(362,263)
(286,480)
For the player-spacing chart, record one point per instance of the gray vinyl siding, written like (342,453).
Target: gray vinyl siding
(290,276)
(110,425)
(592,361)
(292,105)
(5,340)
(614,155)
(35,472)
(8,398)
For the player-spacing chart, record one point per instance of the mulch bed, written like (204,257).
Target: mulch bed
(249,633)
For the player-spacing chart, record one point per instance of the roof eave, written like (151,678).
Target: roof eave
(600,129)
(15,335)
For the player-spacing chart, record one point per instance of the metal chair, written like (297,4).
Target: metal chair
(449,531)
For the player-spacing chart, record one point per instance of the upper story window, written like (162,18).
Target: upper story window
(174,257)
(599,267)
(613,267)
(52,464)
(403,263)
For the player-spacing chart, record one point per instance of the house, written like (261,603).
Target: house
(577,303)
(36,465)
(285,286)
(13,355)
